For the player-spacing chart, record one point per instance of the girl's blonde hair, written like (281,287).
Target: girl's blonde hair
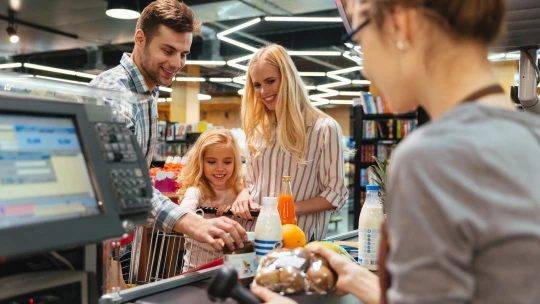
(292,104)
(192,174)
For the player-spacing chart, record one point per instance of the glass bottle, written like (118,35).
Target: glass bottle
(286,203)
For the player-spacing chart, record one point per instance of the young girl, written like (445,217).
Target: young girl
(211,178)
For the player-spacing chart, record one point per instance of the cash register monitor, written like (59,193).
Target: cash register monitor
(44,175)
(59,187)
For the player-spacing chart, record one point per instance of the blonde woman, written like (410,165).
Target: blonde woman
(210,179)
(287,135)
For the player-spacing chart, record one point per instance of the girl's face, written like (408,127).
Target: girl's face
(218,165)
(266,80)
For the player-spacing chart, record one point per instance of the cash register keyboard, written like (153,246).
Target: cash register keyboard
(116,143)
(130,188)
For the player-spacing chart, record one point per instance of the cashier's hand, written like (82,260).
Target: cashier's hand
(270,297)
(352,278)
(208,230)
(243,204)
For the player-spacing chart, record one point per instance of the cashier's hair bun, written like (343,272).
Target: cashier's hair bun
(480,20)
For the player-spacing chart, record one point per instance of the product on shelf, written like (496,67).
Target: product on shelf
(166,179)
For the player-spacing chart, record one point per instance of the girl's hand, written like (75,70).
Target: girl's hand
(242,205)
(222,209)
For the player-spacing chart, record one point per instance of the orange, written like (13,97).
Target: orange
(293,236)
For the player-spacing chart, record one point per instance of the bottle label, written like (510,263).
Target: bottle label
(245,264)
(368,247)
(262,247)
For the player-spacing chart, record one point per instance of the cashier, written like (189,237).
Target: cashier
(163,38)
(462,201)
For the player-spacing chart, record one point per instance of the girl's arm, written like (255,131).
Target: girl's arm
(191,199)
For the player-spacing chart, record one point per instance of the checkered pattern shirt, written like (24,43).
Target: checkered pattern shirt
(141,118)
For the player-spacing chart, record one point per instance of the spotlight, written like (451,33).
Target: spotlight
(11,29)
(123,9)
(12,33)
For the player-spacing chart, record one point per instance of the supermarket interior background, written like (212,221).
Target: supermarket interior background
(71,41)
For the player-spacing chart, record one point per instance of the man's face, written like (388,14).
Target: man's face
(165,55)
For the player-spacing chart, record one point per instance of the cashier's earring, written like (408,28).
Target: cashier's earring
(402,46)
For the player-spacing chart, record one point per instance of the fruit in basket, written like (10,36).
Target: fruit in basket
(293,236)
(332,246)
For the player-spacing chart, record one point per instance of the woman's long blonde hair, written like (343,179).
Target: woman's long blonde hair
(292,103)
(192,174)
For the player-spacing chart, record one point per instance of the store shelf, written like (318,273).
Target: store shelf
(389,116)
(389,141)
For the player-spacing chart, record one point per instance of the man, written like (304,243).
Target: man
(163,37)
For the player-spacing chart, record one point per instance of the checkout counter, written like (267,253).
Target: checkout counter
(192,288)
(73,178)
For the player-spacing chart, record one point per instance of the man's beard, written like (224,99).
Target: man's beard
(153,73)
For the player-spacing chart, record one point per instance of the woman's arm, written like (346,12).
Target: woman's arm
(331,174)
(312,205)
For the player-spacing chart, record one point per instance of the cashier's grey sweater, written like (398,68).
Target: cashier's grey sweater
(464,210)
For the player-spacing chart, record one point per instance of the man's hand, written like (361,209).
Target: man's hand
(242,205)
(352,278)
(208,230)
(270,297)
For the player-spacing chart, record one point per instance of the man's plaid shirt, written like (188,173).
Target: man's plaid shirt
(141,118)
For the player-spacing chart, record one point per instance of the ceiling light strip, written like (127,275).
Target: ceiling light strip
(303,19)
(13,65)
(361,82)
(341,102)
(314,53)
(239,27)
(312,74)
(350,93)
(56,70)
(217,79)
(192,79)
(206,62)
(165,89)
(203,97)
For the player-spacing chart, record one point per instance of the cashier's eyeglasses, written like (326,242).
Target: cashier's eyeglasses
(355,52)
(348,40)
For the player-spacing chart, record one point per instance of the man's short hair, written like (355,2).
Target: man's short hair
(170,13)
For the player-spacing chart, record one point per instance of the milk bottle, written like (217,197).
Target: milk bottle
(268,233)
(369,229)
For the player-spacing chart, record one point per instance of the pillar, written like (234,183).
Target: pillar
(184,106)
(506,71)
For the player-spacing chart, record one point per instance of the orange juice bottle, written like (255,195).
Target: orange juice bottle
(286,203)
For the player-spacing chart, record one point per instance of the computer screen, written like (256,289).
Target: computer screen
(43,173)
